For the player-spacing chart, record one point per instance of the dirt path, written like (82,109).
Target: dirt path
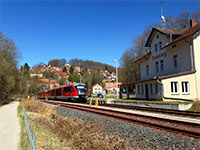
(9,127)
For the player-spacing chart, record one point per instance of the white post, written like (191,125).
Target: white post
(116,77)
(80,76)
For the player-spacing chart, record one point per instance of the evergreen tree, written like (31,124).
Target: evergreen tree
(64,69)
(71,70)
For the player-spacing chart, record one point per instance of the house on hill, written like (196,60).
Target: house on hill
(36,72)
(77,68)
(171,69)
(62,75)
(111,87)
(55,69)
(48,84)
(96,89)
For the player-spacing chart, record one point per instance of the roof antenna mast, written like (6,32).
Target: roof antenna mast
(163,20)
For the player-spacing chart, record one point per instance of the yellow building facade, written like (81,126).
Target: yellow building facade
(171,68)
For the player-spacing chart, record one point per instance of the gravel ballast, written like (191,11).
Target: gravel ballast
(138,135)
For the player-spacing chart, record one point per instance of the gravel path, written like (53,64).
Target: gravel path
(139,136)
(9,127)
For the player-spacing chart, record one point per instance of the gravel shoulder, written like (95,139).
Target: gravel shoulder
(145,138)
(9,127)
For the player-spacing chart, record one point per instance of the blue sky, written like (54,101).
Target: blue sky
(94,30)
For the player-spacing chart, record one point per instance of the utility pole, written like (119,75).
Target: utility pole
(116,78)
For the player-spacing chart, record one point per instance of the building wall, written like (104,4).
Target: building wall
(97,89)
(153,93)
(39,75)
(192,87)
(196,49)
(182,50)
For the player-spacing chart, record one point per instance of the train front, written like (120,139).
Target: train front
(82,91)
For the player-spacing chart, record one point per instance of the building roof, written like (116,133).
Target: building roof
(165,31)
(44,80)
(95,85)
(77,67)
(173,31)
(112,84)
(167,76)
(53,81)
(144,56)
(186,34)
(62,73)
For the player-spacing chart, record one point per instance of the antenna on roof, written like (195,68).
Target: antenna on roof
(163,20)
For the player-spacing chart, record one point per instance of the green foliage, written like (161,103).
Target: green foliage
(24,145)
(74,78)
(64,69)
(86,84)
(71,70)
(62,81)
(50,75)
(94,81)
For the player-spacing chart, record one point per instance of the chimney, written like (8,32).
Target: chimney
(193,22)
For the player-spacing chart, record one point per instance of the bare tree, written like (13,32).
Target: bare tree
(9,56)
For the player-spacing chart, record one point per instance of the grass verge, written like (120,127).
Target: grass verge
(56,132)
(195,106)
(24,144)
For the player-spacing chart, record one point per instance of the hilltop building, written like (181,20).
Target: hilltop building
(110,87)
(171,68)
(96,89)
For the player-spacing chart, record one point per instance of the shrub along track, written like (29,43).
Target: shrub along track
(182,127)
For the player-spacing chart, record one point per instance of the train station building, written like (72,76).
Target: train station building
(171,68)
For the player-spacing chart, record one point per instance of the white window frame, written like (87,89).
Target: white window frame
(183,87)
(173,86)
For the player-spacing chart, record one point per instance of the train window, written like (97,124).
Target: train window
(71,89)
(68,89)
(58,92)
(52,93)
(81,89)
(48,93)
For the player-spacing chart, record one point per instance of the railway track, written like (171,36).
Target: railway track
(191,129)
(191,114)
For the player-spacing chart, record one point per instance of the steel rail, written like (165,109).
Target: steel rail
(165,111)
(131,117)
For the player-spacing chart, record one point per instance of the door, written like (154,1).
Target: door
(146,91)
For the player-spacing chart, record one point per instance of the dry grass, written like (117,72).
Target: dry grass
(69,133)
(195,106)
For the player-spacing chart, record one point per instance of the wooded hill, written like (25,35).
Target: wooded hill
(91,64)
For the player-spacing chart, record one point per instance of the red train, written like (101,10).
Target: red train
(72,92)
